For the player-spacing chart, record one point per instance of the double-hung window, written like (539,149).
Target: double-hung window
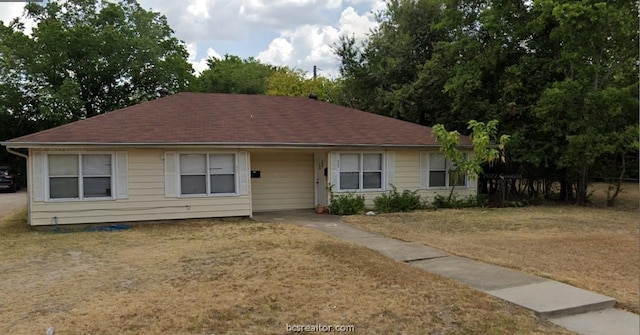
(442,172)
(207,174)
(360,171)
(222,173)
(80,176)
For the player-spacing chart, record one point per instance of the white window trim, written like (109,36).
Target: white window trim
(446,176)
(81,196)
(208,175)
(361,171)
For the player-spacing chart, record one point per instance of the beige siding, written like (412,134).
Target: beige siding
(286,181)
(407,177)
(146,200)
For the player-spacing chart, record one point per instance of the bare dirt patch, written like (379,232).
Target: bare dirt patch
(237,277)
(594,248)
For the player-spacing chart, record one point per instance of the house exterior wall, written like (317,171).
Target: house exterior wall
(286,180)
(407,177)
(146,198)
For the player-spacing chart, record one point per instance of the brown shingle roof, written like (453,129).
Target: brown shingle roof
(203,118)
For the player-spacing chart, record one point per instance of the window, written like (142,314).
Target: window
(442,172)
(96,176)
(218,169)
(193,174)
(360,171)
(80,176)
(222,173)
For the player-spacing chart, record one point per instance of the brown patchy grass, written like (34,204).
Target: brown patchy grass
(628,199)
(228,277)
(594,248)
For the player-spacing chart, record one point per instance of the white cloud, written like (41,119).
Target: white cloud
(234,20)
(334,4)
(280,52)
(11,10)
(309,45)
(200,65)
(283,14)
(199,8)
(213,53)
(296,33)
(353,24)
(198,20)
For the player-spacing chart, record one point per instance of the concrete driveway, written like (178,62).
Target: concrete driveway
(12,202)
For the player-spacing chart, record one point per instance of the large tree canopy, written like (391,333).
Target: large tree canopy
(288,82)
(86,57)
(83,58)
(560,75)
(233,74)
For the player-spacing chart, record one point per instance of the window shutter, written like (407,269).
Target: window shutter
(122,175)
(424,170)
(335,170)
(37,159)
(243,182)
(391,169)
(170,175)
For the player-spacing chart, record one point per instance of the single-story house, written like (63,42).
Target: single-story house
(199,155)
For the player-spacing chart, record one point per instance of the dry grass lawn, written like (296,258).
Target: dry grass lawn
(594,248)
(228,277)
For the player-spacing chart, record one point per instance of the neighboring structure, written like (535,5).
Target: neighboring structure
(196,155)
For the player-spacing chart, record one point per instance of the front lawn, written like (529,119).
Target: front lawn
(594,248)
(229,277)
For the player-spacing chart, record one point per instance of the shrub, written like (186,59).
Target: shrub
(346,204)
(444,202)
(392,201)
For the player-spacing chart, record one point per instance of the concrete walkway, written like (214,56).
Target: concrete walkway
(576,309)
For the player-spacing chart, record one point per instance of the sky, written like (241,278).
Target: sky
(295,33)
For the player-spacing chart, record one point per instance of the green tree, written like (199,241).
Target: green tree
(235,75)
(89,57)
(484,140)
(386,74)
(83,58)
(560,75)
(285,81)
(594,100)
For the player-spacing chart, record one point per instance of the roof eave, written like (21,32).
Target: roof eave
(35,145)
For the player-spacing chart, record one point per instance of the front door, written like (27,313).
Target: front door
(320,160)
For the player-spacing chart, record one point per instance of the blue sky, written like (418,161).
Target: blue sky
(297,33)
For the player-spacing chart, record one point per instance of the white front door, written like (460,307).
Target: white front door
(320,160)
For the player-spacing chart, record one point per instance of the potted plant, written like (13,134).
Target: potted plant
(320,209)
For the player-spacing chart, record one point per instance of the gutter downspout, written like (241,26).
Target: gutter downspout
(17,153)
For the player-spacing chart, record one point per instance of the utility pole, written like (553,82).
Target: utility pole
(315,72)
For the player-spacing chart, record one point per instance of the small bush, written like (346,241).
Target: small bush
(392,201)
(346,204)
(444,202)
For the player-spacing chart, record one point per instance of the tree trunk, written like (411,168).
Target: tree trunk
(566,189)
(531,188)
(611,200)
(581,189)
(451,193)
(502,192)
